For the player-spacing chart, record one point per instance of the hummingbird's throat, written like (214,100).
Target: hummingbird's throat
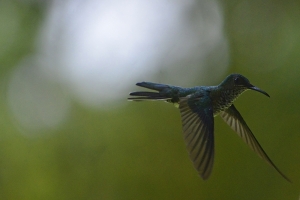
(226,99)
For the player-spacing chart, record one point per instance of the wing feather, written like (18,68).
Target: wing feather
(234,119)
(198,128)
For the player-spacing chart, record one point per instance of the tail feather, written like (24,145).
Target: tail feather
(147,98)
(149,95)
(153,86)
(152,94)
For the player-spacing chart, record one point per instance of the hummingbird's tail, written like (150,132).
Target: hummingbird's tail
(160,95)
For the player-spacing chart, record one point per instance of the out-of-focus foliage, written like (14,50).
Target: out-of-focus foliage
(135,150)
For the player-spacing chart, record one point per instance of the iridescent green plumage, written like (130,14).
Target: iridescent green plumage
(198,106)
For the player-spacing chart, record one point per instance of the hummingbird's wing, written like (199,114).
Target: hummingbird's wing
(198,129)
(234,119)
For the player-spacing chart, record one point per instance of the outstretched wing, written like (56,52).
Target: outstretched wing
(234,119)
(198,129)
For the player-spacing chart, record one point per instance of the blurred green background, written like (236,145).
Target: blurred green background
(60,143)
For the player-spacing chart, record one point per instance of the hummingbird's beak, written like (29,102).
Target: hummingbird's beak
(252,87)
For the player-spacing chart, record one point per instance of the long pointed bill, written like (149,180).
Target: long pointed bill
(258,90)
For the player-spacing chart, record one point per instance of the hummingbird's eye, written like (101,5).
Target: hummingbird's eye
(238,81)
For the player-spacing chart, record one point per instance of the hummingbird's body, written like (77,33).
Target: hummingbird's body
(198,106)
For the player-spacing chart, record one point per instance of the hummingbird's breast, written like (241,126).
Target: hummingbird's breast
(225,99)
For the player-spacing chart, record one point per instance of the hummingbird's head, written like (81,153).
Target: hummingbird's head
(239,83)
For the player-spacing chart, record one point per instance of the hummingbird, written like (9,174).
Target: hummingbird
(198,106)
